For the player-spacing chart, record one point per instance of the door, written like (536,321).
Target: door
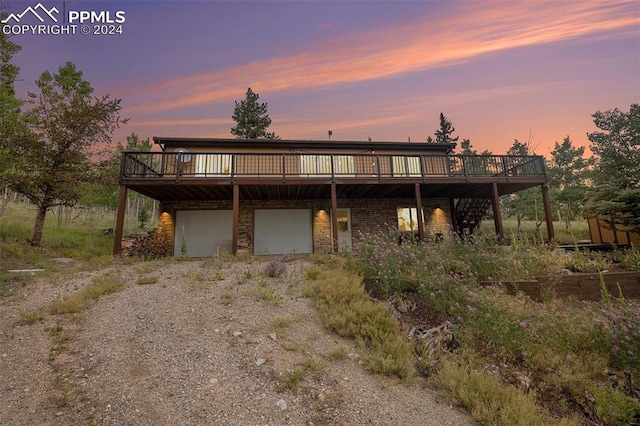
(282,231)
(203,233)
(344,230)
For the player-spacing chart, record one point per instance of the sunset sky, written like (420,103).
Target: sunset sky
(382,69)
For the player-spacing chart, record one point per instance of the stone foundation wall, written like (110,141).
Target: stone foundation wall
(367,216)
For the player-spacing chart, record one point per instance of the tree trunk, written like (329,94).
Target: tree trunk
(567,223)
(39,226)
(5,200)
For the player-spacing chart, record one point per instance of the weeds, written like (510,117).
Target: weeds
(567,345)
(148,279)
(64,391)
(489,400)
(630,258)
(83,299)
(291,380)
(276,267)
(346,309)
(227,296)
(265,292)
(338,353)
(59,337)
(590,262)
(32,317)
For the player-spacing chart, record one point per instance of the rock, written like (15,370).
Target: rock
(353,357)
(260,361)
(273,336)
(281,404)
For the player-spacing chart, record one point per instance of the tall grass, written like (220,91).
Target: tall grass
(567,346)
(347,309)
(82,238)
(578,231)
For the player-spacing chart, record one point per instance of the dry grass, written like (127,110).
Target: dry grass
(84,298)
(346,309)
(32,317)
(489,400)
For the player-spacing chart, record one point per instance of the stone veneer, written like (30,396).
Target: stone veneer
(367,215)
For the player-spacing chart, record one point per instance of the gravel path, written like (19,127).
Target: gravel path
(206,343)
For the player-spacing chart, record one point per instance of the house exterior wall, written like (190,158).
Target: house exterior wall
(367,216)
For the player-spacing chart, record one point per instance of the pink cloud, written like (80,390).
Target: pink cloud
(478,29)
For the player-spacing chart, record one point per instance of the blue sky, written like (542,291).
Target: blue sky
(382,69)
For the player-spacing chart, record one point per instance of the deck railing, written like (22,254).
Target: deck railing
(286,165)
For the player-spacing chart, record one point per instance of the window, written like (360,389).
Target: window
(406,166)
(343,165)
(213,164)
(408,219)
(320,165)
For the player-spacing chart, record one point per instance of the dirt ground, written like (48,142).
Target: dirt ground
(204,342)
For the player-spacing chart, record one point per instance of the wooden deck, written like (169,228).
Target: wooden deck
(211,175)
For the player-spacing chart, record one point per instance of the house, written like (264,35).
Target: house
(306,196)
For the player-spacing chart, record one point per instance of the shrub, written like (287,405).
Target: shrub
(566,345)
(346,309)
(276,267)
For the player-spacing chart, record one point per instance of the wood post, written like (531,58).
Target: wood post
(497,216)
(548,215)
(236,219)
(419,213)
(334,218)
(117,232)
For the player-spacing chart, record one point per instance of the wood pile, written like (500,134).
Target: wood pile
(147,244)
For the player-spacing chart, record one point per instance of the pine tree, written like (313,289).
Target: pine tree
(251,118)
(616,149)
(443,134)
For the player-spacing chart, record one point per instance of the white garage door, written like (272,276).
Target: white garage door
(283,231)
(204,232)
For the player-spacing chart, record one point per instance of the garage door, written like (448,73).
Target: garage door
(204,232)
(283,231)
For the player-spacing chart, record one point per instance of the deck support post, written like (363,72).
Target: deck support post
(497,216)
(454,216)
(419,213)
(117,232)
(548,215)
(334,218)
(236,219)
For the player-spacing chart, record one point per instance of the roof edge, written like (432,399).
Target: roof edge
(294,143)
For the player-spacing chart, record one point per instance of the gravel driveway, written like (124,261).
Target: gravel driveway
(205,342)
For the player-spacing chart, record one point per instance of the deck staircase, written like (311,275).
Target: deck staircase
(469,213)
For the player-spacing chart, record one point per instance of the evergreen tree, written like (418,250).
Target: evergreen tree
(616,149)
(444,133)
(251,118)
(467,148)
